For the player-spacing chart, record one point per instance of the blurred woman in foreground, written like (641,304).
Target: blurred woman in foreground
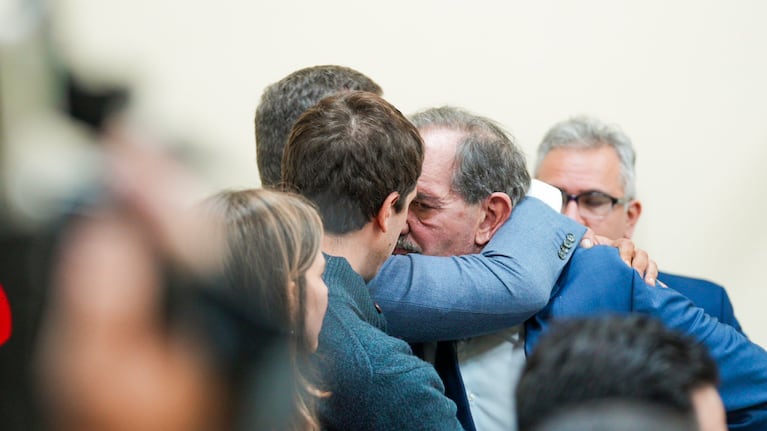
(164,318)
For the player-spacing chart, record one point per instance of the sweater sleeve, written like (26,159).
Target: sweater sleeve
(376,383)
(416,387)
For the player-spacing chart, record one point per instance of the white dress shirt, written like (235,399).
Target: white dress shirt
(490,367)
(492,364)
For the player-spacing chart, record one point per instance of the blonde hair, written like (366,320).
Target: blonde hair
(272,238)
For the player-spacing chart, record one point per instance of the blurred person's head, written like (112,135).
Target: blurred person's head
(617,415)
(284,101)
(633,358)
(110,357)
(473,174)
(357,158)
(592,164)
(141,331)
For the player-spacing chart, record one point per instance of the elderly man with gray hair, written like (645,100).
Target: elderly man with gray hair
(593,282)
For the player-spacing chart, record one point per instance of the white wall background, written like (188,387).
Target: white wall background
(686,79)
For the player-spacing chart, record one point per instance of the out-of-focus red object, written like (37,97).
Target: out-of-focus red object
(5,317)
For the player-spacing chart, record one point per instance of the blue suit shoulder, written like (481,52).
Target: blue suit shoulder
(705,294)
(594,281)
(599,269)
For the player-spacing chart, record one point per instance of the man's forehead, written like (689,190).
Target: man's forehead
(439,156)
(439,150)
(440,136)
(435,186)
(577,170)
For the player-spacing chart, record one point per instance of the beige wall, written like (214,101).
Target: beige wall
(685,79)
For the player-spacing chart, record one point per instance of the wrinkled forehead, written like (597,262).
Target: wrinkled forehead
(439,146)
(439,157)
(577,170)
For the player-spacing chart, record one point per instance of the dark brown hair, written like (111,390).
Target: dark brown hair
(632,357)
(347,154)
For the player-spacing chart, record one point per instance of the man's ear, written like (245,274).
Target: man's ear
(386,211)
(496,209)
(632,217)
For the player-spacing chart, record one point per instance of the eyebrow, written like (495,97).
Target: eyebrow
(561,189)
(424,197)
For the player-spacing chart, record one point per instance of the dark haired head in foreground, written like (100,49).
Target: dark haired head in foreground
(618,416)
(633,358)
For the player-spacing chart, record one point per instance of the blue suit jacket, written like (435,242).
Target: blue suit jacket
(705,294)
(431,298)
(596,282)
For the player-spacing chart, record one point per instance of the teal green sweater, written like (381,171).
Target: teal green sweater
(376,383)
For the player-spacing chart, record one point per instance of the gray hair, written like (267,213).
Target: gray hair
(487,159)
(587,132)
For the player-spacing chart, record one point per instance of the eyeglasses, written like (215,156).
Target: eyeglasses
(592,204)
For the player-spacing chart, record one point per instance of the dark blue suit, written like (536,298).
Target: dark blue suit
(705,294)
(596,281)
